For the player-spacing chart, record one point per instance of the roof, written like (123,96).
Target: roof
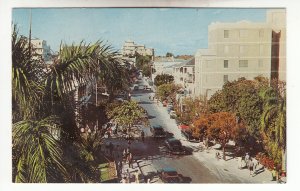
(183,126)
(157,126)
(169,169)
(173,139)
(205,52)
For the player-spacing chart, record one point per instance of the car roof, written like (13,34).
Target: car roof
(169,169)
(157,127)
(172,140)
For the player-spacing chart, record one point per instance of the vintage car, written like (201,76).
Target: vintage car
(169,175)
(174,146)
(158,131)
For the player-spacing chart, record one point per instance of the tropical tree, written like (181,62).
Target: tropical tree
(37,157)
(127,114)
(163,79)
(222,128)
(43,92)
(192,108)
(166,91)
(273,121)
(27,89)
(242,97)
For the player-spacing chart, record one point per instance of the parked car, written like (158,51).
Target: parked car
(158,131)
(175,146)
(169,175)
(189,136)
(173,114)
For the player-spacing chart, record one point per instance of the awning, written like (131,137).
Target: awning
(183,127)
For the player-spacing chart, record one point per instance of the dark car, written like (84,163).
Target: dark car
(169,175)
(175,146)
(189,136)
(158,131)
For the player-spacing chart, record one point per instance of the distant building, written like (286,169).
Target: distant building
(184,74)
(41,49)
(130,48)
(241,49)
(164,66)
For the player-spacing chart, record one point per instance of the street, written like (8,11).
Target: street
(154,151)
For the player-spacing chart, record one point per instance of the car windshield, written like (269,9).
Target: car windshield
(176,143)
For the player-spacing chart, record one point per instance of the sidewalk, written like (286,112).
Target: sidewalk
(220,167)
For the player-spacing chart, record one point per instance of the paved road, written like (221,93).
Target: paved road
(154,151)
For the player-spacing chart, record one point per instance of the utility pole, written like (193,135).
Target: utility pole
(29,38)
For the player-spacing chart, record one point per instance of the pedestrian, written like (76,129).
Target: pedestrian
(274,174)
(240,162)
(218,155)
(137,174)
(111,148)
(129,159)
(123,180)
(247,157)
(143,136)
(255,165)
(251,166)
(128,176)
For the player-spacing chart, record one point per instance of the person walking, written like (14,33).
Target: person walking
(143,136)
(111,149)
(251,166)
(129,159)
(274,174)
(255,166)
(137,174)
(240,163)
(247,157)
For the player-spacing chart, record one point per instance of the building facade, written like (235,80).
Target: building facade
(241,49)
(41,49)
(184,75)
(130,48)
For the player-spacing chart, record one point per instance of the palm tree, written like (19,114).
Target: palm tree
(273,119)
(40,91)
(27,88)
(37,156)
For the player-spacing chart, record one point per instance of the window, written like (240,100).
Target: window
(225,63)
(243,33)
(243,63)
(226,49)
(225,78)
(226,33)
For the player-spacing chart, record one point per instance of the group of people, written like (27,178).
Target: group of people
(128,176)
(248,162)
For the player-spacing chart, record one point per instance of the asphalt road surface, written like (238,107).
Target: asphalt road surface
(154,150)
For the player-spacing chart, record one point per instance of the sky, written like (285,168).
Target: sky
(176,30)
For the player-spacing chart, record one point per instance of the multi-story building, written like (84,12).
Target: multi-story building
(130,48)
(241,49)
(164,66)
(184,74)
(41,49)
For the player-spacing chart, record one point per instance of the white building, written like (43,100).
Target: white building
(130,48)
(184,75)
(164,66)
(241,49)
(41,49)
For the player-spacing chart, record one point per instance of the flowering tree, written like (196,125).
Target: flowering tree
(223,128)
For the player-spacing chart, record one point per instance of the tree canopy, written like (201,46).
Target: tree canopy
(163,79)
